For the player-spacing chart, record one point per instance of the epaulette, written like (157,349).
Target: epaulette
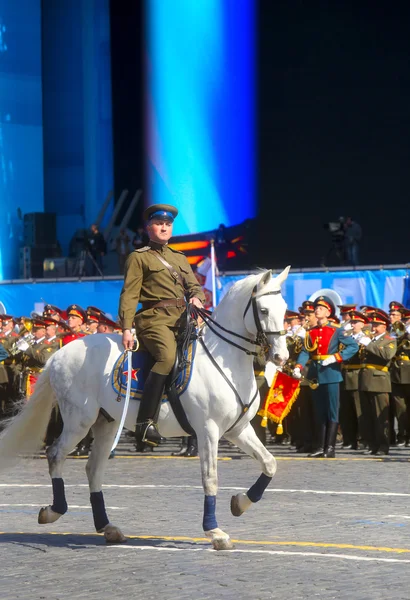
(176,251)
(144,249)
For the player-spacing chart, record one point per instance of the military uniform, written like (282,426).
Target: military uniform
(375,385)
(162,296)
(162,280)
(326,343)
(400,380)
(8,369)
(351,419)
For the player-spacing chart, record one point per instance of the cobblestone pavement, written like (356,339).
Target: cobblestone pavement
(324,529)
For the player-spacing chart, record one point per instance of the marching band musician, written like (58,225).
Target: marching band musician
(351,418)
(374,380)
(397,403)
(35,355)
(400,381)
(345,311)
(76,318)
(327,346)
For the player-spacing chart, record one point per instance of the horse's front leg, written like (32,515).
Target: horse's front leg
(104,435)
(208,453)
(248,441)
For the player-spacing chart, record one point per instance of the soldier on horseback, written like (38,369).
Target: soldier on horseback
(162,280)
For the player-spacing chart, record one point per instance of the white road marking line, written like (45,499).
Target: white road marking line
(397,517)
(226,488)
(269,552)
(69,506)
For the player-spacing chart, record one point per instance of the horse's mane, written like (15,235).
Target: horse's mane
(244,285)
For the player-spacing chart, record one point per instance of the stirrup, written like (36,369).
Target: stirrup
(147,433)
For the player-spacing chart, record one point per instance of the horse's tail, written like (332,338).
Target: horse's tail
(26,431)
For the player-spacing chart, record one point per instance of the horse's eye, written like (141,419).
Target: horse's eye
(264,311)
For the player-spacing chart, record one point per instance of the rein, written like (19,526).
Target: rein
(261,341)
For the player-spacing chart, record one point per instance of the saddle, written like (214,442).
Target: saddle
(177,381)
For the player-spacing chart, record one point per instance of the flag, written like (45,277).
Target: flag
(279,400)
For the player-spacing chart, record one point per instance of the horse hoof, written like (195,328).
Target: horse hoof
(113,535)
(239,504)
(47,515)
(220,540)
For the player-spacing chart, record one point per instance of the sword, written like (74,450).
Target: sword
(127,400)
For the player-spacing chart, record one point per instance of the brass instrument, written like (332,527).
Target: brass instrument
(398,328)
(25,335)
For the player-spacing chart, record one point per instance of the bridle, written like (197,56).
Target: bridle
(261,341)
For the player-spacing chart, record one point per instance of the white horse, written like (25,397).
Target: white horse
(78,378)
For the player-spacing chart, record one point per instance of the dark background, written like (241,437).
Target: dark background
(333,124)
(334,128)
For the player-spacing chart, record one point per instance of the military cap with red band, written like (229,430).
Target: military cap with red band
(76,311)
(326,302)
(379,316)
(7,318)
(395,306)
(104,320)
(346,308)
(307,307)
(356,315)
(50,309)
(291,314)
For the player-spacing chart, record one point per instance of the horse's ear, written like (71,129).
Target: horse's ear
(283,276)
(266,278)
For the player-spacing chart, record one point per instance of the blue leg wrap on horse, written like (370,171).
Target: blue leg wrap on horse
(255,493)
(99,514)
(209,521)
(59,502)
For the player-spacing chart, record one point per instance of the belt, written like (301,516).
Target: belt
(320,356)
(172,302)
(402,357)
(377,367)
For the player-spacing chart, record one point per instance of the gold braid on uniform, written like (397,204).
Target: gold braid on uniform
(310,347)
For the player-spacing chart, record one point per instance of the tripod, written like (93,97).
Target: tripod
(79,269)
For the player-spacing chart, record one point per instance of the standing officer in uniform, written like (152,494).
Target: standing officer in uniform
(400,381)
(327,345)
(160,278)
(374,380)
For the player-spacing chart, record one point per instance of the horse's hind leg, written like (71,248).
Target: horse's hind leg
(104,435)
(208,453)
(248,441)
(56,456)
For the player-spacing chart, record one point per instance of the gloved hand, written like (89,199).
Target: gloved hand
(408,329)
(329,361)
(364,340)
(23,345)
(296,373)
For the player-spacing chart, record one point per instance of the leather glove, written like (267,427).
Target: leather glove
(296,373)
(23,345)
(329,361)
(408,329)
(364,341)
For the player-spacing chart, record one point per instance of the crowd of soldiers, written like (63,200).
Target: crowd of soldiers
(374,409)
(29,342)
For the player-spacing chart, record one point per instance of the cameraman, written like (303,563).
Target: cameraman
(97,247)
(353,235)
(337,231)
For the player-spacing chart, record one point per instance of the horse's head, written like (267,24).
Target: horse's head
(266,312)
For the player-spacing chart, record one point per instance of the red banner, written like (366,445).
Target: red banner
(279,400)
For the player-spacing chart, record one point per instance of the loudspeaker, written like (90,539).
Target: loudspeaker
(40,229)
(32,260)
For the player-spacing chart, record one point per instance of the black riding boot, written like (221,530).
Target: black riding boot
(192,446)
(184,447)
(320,446)
(146,429)
(331,434)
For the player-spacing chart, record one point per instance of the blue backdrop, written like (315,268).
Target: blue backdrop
(375,288)
(21,134)
(201,110)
